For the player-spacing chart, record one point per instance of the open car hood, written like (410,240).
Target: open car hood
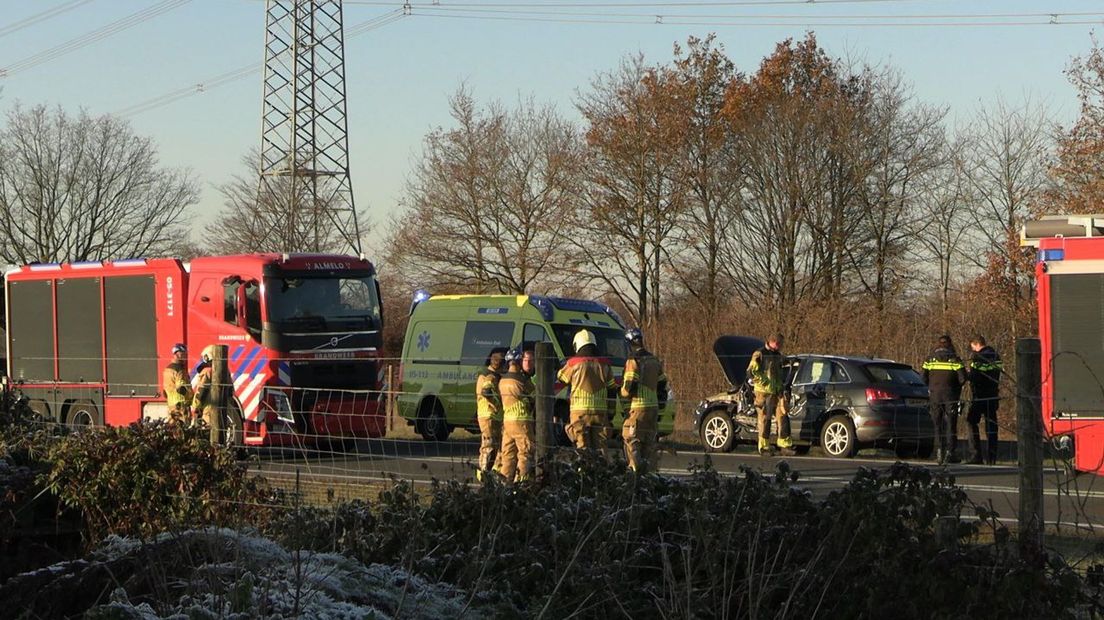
(734,354)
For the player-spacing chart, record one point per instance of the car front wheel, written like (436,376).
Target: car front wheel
(717,432)
(837,437)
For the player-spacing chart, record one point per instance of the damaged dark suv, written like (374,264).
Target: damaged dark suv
(841,404)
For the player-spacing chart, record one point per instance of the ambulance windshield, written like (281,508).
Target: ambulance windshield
(323,303)
(611,342)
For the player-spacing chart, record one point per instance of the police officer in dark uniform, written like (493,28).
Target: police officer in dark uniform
(945,374)
(984,375)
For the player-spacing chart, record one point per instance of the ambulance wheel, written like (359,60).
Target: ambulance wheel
(717,432)
(431,421)
(83,414)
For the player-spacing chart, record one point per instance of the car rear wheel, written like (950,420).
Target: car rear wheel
(837,437)
(717,432)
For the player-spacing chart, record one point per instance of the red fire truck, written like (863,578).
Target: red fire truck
(87,342)
(1070,274)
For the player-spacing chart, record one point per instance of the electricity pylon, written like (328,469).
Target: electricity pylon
(304,156)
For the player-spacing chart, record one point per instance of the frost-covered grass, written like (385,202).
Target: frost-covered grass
(228,574)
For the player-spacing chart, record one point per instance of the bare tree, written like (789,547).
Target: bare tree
(1006,163)
(793,118)
(85,188)
(488,202)
(943,235)
(710,168)
(273,220)
(906,152)
(634,191)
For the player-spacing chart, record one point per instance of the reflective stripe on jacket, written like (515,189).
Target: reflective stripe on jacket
(643,377)
(174,377)
(765,371)
(487,399)
(517,397)
(944,373)
(985,372)
(591,381)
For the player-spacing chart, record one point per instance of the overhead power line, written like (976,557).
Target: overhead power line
(94,36)
(750,20)
(606,5)
(245,71)
(41,16)
(761,16)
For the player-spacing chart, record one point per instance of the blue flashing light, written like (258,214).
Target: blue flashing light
(420,295)
(543,305)
(577,305)
(616,317)
(1052,254)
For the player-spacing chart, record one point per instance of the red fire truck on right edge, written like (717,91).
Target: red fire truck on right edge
(87,342)
(1069,269)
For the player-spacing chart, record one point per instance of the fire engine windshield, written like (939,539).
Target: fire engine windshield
(611,342)
(323,303)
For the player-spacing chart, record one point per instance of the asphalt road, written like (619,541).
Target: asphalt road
(1070,501)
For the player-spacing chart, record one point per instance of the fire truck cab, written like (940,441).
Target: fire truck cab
(1069,271)
(87,342)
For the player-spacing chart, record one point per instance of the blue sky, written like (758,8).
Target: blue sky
(400,75)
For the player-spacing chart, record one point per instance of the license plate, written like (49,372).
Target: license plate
(916,402)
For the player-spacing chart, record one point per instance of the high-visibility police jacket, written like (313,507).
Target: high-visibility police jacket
(591,382)
(643,381)
(944,373)
(765,371)
(174,377)
(985,372)
(488,402)
(517,397)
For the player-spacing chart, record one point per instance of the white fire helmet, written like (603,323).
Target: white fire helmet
(582,338)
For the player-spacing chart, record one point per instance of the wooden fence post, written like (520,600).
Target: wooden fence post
(220,391)
(1030,445)
(389,402)
(545,366)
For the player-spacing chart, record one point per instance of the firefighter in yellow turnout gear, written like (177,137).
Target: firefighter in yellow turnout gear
(518,422)
(593,394)
(767,381)
(177,385)
(489,412)
(645,386)
(202,406)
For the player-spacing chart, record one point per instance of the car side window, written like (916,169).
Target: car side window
(821,371)
(839,375)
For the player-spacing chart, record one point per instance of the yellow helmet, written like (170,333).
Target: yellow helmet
(208,353)
(582,338)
